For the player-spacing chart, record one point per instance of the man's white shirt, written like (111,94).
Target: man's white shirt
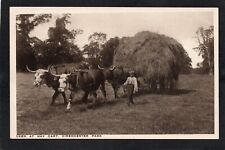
(132,80)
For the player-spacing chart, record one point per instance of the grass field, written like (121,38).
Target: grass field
(189,110)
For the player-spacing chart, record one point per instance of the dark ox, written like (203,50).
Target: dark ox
(116,76)
(43,76)
(88,80)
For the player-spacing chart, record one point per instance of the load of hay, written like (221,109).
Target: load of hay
(153,56)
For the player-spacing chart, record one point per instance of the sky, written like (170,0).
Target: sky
(180,25)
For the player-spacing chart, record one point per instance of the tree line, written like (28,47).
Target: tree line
(60,46)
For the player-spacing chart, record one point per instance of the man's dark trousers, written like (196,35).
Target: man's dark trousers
(130,91)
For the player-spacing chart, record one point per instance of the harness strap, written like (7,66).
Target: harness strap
(67,85)
(77,80)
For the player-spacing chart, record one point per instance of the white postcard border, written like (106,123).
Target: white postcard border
(26,10)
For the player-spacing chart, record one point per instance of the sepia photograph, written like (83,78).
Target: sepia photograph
(114,73)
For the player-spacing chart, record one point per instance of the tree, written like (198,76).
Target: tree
(107,54)
(25,23)
(205,47)
(185,64)
(59,47)
(92,50)
(95,46)
(99,38)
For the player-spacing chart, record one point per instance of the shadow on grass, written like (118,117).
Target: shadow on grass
(101,103)
(98,104)
(73,102)
(141,102)
(180,92)
(167,92)
(38,114)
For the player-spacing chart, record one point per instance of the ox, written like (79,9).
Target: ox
(88,80)
(116,76)
(43,76)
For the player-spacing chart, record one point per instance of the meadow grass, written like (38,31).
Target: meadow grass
(189,110)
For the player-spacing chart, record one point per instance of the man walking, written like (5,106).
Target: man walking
(131,86)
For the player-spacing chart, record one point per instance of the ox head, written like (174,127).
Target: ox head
(108,72)
(39,76)
(63,80)
(111,68)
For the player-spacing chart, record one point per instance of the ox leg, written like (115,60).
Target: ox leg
(71,96)
(102,87)
(84,98)
(69,103)
(115,92)
(154,86)
(115,89)
(64,97)
(172,85)
(92,105)
(162,85)
(95,98)
(55,95)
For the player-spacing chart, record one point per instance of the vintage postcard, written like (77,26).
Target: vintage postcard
(114,73)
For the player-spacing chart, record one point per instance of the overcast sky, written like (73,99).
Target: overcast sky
(179,25)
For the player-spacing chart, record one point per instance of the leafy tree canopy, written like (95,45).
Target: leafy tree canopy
(107,54)
(59,47)
(205,48)
(94,48)
(25,23)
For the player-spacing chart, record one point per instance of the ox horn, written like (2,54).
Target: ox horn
(68,74)
(112,68)
(49,70)
(30,70)
(100,68)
